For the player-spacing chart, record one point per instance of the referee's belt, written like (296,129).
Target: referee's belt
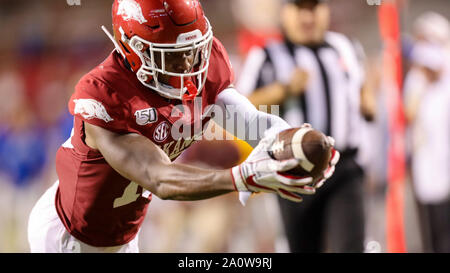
(349,152)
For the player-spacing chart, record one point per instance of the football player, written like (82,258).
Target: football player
(122,145)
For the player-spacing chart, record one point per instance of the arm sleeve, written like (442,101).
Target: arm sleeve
(240,118)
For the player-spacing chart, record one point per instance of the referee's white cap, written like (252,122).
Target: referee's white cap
(433,27)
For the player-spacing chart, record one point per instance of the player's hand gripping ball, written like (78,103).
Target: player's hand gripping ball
(312,148)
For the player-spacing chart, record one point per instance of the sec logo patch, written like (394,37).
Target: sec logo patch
(161,132)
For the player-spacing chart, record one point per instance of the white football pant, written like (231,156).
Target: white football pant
(46,232)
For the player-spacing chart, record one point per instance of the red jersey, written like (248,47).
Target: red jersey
(95,203)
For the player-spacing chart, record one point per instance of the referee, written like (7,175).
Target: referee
(316,77)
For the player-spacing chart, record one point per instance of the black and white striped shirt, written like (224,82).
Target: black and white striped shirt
(331,102)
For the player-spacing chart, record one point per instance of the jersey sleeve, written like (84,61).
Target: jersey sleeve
(96,103)
(220,72)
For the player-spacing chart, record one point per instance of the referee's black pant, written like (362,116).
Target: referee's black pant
(435,226)
(332,220)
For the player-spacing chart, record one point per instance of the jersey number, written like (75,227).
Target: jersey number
(129,195)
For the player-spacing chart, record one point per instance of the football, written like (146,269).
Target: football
(311,146)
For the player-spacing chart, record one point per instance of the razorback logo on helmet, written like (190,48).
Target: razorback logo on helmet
(131,10)
(89,109)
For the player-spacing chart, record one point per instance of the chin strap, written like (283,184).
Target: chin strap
(114,41)
(191,89)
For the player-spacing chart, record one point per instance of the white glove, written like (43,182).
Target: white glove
(331,165)
(261,173)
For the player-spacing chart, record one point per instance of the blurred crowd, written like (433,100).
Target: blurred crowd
(48,45)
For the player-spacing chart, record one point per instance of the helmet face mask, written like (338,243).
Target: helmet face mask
(154,59)
(152,45)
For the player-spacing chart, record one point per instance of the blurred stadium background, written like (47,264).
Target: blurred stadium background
(48,44)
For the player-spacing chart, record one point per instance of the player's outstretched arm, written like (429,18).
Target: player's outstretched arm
(140,160)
